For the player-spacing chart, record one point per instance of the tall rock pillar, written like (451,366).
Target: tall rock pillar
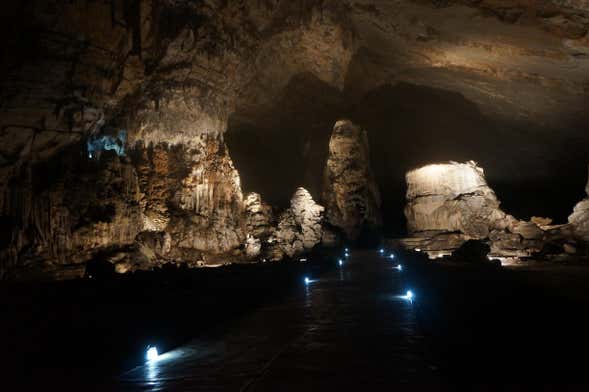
(350,193)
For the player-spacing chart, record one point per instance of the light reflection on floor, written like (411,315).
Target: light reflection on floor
(347,328)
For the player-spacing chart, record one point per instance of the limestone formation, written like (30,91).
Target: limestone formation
(259,221)
(170,73)
(299,228)
(452,197)
(448,204)
(579,219)
(62,219)
(350,193)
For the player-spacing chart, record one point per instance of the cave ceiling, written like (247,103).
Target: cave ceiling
(169,71)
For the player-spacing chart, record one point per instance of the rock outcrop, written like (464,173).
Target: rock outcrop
(579,219)
(350,193)
(67,211)
(259,221)
(448,204)
(299,228)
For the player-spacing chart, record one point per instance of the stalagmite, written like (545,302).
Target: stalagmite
(350,193)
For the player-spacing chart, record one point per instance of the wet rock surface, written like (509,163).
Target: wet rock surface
(350,193)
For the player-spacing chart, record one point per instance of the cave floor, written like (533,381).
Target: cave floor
(348,329)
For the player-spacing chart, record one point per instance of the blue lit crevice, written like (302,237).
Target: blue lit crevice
(102,142)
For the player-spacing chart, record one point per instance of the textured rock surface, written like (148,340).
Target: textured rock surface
(64,212)
(579,219)
(259,221)
(350,193)
(299,227)
(452,197)
(172,72)
(448,204)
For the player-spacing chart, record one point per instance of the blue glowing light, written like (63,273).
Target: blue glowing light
(409,295)
(399,267)
(391,256)
(98,143)
(307,280)
(347,250)
(151,354)
(381,251)
(340,262)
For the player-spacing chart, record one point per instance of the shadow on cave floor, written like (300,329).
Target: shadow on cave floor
(258,327)
(80,334)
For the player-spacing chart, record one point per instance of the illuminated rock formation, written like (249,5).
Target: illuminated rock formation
(579,219)
(450,203)
(170,73)
(350,193)
(452,197)
(259,222)
(299,227)
(62,219)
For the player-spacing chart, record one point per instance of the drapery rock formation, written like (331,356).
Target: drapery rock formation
(579,219)
(448,204)
(62,213)
(350,193)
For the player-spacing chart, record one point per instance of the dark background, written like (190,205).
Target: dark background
(534,170)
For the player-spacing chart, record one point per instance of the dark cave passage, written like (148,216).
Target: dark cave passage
(408,126)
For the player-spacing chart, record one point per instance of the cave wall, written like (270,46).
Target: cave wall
(171,73)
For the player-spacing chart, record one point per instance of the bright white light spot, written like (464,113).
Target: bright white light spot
(347,250)
(381,251)
(391,256)
(399,267)
(340,262)
(307,280)
(418,249)
(151,353)
(409,295)
(302,259)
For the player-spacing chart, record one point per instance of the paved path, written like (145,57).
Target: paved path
(349,329)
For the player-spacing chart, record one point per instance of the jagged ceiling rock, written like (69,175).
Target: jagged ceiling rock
(504,56)
(350,193)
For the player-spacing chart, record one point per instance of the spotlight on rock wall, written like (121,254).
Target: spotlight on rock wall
(151,354)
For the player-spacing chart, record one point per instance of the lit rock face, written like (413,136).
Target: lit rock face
(350,193)
(579,219)
(60,221)
(452,197)
(259,221)
(448,204)
(299,228)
